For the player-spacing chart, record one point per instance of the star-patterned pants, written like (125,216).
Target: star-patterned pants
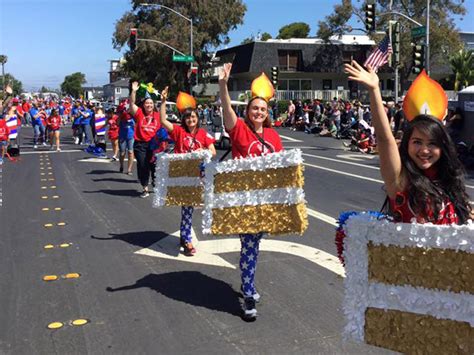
(250,244)
(186,223)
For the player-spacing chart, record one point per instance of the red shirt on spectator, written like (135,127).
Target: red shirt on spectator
(146,126)
(26,107)
(113,127)
(245,143)
(4,130)
(186,142)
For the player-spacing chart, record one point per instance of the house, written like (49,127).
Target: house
(308,68)
(117,90)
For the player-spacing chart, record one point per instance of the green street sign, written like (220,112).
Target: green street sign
(418,32)
(183,58)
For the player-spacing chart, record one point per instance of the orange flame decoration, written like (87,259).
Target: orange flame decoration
(262,87)
(185,101)
(425,96)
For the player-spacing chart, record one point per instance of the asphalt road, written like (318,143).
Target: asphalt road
(141,297)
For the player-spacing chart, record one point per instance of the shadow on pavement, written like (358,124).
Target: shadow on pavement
(115,180)
(191,287)
(101,172)
(141,239)
(132,193)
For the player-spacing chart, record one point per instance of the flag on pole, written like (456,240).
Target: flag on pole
(380,55)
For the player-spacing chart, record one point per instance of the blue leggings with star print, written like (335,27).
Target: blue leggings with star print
(250,244)
(186,223)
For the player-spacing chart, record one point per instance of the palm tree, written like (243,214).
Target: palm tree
(3,60)
(462,64)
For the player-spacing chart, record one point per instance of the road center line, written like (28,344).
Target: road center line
(341,161)
(344,173)
(290,139)
(321,216)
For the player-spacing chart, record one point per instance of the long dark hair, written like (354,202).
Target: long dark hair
(267,123)
(423,192)
(188,112)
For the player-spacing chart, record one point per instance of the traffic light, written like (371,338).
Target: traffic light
(274,75)
(132,42)
(370,17)
(193,76)
(395,38)
(418,59)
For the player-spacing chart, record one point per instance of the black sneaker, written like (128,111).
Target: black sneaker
(249,309)
(256,295)
(145,194)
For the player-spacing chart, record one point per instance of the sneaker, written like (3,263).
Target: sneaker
(145,194)
(44,143)
(129,173)
(249,309)
(113,159)
(121,169)
(58,150)
(256,295)
(35,146)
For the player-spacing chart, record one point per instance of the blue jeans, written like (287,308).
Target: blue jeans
(88,132)
(39,132)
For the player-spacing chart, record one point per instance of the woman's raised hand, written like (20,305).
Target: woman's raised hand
(164,94)
(224,73)
(135,86)
(357,73)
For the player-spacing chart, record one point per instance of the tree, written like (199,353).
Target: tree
(151,62)
(444,37)
(265,36)
(72,84)
(462,63)
(16,85)
(294,30)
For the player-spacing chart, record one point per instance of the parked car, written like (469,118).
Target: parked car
(220,135)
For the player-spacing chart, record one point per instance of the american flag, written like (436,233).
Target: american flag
(380,55)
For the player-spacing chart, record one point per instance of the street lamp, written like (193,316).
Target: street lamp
(159,6)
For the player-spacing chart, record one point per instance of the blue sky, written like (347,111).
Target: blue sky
(45,40)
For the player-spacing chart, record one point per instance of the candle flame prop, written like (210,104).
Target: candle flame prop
(425,97)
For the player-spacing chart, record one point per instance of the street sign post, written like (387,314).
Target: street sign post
(183,58)
(418,32)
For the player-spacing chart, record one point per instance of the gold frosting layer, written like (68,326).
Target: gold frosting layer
(255,180)
(442,269)
(184,168)
(270,218)
(184,196)
(412,333)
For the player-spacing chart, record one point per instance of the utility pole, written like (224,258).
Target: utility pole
(428,37)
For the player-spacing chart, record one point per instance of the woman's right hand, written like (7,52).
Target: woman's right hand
(224,73)
(135,86)
(357,73)
(164,95)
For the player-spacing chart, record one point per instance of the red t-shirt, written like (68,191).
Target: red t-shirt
(26,107)
(186,142)
(113,127)
(245,143)
(54,122)
(4,130)
(147,126)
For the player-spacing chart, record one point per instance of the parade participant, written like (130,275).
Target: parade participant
(252,136)
(113,132)
(76,123)
(99,123)
(4,137)
(37,122)
(126,140)
(424,179)
(187,137)
(54,124)
(147,122)
(87,116)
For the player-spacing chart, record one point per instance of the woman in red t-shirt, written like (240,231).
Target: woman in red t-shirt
(54,125)
(147,124)
(187,137)
(4,137)
(251,136)
(113,132)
